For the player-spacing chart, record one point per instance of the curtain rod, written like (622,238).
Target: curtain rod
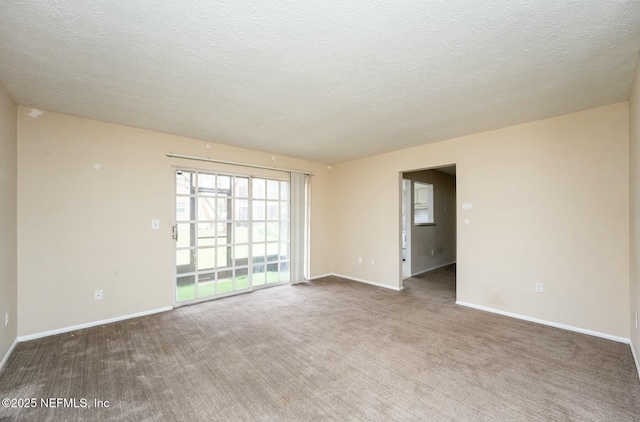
(212,160)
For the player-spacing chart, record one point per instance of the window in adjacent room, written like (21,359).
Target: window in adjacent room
(423,203)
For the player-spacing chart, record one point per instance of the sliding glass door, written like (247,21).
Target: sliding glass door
(270,234)
(231,233)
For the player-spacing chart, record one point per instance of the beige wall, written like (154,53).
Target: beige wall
(8,222)
(549,204)
(435,245)
(88,192)
(634,193)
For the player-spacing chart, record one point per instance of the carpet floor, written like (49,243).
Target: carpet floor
(330,349)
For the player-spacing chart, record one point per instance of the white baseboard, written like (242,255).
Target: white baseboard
(635,359)
(373,283)
(549,323)
(432,268)
(6,356)
(92,324)
(315,277)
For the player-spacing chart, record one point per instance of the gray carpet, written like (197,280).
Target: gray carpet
(327,350)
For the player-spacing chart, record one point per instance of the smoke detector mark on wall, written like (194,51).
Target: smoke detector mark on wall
(35,113)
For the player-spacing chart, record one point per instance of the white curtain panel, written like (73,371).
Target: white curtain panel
(300,213)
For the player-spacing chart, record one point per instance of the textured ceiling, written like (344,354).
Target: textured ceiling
(325,80)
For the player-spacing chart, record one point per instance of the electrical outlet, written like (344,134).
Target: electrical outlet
(155,224)
(359,260)
(6,320)
(373,261)
(97,295)
(539,288)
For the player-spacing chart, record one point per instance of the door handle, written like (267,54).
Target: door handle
(174,233)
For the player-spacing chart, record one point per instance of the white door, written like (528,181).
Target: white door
(406,227)
(231,233)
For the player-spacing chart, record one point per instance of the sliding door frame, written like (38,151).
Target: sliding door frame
(250,221)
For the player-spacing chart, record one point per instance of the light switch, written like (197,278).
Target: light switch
(155,224)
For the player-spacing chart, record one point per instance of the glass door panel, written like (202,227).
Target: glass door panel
(231,232)
(270,234)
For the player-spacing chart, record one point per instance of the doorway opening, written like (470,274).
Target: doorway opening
(429,223)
